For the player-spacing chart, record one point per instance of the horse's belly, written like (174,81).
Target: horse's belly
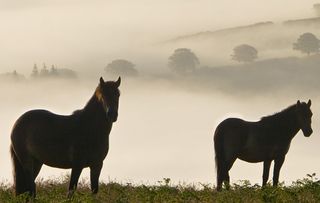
(63,161)
(68,157)
(262,153)
(57,159)
(59,155)
(63,165)
(254,155)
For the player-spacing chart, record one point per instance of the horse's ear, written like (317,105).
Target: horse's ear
(101,81)
(298,102)
(118,82)
(309,102)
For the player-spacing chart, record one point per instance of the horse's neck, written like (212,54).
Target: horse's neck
(289,124)
(284,123)
(94,110)
(95,116)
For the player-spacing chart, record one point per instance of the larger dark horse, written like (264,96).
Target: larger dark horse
(264,141)
(76,141)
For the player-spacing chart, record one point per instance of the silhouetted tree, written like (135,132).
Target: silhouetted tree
(121,67)
(44,71)
(307,43)
(316,8)
(15,76)
(183,61)
(244,53)
(53,71)
(35,71)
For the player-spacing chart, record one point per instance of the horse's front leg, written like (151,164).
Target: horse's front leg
(266,169)
(276,171)
(94,176)
(75,174)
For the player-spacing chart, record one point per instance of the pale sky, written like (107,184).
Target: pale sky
(73,33)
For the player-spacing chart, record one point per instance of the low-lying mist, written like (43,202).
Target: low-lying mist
(166,121)
(164,130)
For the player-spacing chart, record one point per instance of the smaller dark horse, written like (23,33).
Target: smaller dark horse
(264,141)
(76,141)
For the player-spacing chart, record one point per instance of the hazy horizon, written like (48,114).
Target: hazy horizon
(82,35)
(162,131)
(165,127)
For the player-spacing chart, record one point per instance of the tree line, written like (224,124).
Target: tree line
(184,61)
(43,73)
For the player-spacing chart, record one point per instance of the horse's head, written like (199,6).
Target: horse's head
(108,94)
(304,115)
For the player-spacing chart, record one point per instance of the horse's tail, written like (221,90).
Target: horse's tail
(18,174)
(219,155)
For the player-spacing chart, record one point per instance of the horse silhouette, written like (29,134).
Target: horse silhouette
(264,141)
(75,141)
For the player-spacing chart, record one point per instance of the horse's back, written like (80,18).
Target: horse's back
(234,126)
(36,121)
(231,134)
(29,117)
(39,114)
(38,131)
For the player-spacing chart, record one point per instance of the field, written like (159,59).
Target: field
(304,190)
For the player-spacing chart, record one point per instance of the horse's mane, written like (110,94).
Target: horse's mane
(279,116)
(93,100)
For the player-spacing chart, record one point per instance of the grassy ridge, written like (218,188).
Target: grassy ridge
(305,190)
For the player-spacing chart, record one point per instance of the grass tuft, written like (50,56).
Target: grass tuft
(304,190)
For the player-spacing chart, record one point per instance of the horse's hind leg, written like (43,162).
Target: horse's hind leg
(219,178)
(29,180)
(18,175)
(223,175)
(36,169)
(229,164)
(227,180)
(75,174)
(31,173)
(23,167)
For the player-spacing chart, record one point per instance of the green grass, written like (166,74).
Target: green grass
(305,190)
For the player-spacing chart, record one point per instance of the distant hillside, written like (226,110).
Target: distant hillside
(298,74)
(303,22)
(307,22)
(223,32)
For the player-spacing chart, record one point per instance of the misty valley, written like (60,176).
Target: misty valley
(169,115)
(164,85)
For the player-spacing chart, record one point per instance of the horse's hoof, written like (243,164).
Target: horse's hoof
(70,194)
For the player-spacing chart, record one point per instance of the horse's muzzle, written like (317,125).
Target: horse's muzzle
(112,115)
(307,132)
